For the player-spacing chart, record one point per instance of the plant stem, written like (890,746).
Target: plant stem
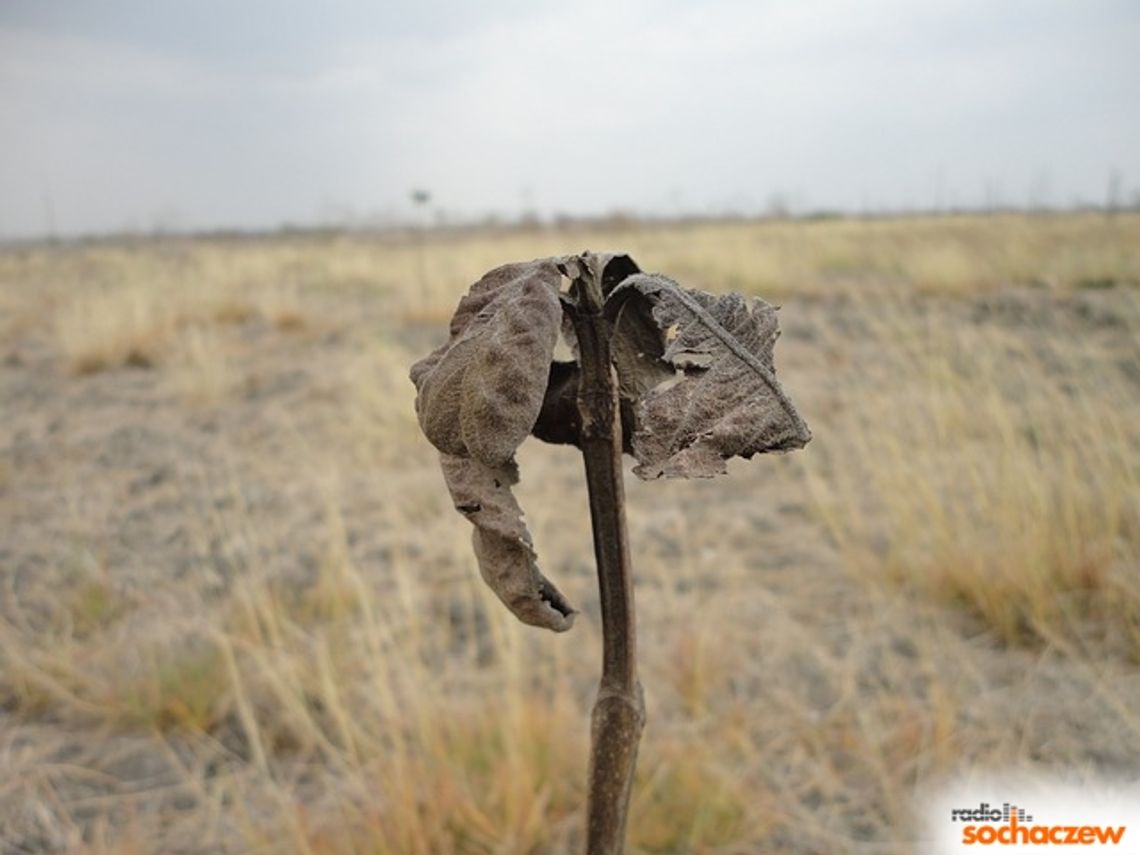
(619,711)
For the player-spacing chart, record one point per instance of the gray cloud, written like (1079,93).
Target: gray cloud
(135,114)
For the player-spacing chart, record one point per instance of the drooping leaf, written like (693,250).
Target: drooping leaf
(723,399)
(503,547)
(478,397)
(480,393)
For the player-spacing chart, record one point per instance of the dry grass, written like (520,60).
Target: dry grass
(237,613)
(995,468)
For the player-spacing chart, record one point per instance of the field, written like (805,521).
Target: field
(238,613)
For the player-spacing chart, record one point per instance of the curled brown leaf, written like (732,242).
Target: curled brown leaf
(479,394)
(723,399)
(478,397)
(503,547)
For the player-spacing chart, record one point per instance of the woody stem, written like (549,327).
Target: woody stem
(619,711)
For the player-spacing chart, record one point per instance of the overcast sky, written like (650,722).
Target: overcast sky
(137,114)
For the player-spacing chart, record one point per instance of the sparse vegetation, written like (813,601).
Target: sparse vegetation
(237,612)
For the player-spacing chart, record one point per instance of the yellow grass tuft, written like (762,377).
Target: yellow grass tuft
(113,329)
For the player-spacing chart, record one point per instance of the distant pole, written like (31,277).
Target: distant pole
(421,198)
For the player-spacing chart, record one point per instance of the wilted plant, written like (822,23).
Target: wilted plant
(680,379)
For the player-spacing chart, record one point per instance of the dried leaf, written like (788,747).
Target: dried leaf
(614,267)
(480,394)
(724,400)
(638,347)
(560,422)
(478,397)
(502,544)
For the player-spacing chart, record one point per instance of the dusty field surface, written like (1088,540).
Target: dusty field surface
(238,614)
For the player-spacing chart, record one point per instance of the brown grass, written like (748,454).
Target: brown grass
(237,612)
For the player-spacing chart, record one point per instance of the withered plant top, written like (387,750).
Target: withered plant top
(695,374)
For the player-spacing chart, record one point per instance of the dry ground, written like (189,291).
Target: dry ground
(237,613)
